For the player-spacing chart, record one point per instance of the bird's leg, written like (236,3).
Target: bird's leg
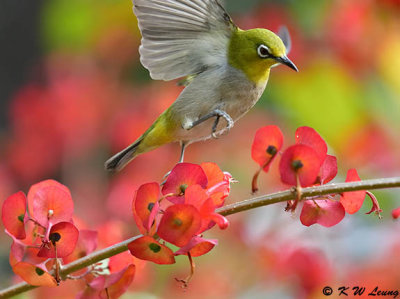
(183,145)
(215,113)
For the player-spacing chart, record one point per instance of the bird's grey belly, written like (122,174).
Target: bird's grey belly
(237,101)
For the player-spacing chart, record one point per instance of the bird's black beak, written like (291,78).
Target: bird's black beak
(286,61)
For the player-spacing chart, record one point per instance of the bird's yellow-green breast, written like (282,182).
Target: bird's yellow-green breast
(243,55)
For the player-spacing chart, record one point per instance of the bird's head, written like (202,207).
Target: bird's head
(255,51)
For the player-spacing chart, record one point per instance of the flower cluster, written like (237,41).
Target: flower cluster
(45,238)
(305,164)
(179,212)
(51,233)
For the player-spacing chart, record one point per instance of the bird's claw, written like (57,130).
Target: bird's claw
(228,119)
(187,125)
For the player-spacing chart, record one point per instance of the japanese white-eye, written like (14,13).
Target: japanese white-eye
(226,70)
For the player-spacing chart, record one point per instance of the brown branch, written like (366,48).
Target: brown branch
(226,210)
(286,195)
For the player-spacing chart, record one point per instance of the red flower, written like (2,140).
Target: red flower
(179,224)
(62,240)
(145,206)
(267,143)
(13,215)
(146,248)
(322,211)
(196,192)
(352,201)
(182,176)
(299,162)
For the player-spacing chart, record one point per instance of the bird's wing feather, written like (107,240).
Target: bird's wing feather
(182,37)
(283,33)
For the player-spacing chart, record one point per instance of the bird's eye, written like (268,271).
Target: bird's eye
(263,51)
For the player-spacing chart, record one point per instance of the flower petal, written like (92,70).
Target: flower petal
(179,224)
(17,252)
(46,183)
(182,176)
(196,196)
(213,173)
(328,169)
(324,212)
(352,201)
(13,214)
(308,136)
(63,236)
(209,218)
(146,248)
(34,275)
(52,204)
(218,182)
(118,283)
(197,246)
(267,143)
(302,161)
(220,220)
(144,202)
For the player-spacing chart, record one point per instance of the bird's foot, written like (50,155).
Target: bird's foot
(217,113)
(228,119)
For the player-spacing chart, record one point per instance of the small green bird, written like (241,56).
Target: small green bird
(226,70)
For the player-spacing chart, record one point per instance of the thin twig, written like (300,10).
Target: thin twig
(225,211)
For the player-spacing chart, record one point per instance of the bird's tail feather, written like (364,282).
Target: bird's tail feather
(119,160)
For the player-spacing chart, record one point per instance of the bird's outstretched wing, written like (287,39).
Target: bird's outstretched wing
(182,37)
(283,33)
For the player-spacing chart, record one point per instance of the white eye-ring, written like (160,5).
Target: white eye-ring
(263,51)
